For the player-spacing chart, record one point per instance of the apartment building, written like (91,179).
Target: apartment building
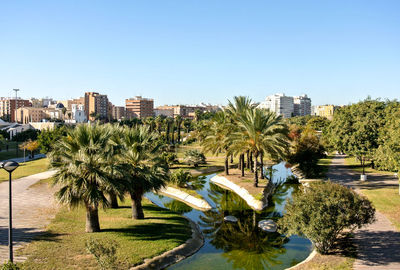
(97,104)
(8,107)
(139,107)
(280,104)
(326,111)
(42,102)
(26,115)
(118,112)
(301,105)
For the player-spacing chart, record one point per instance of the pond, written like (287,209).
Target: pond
(240,245)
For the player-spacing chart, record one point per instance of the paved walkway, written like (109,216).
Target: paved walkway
(32,209)
(27,159)
(378,243)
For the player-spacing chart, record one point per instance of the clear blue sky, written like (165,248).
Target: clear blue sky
(192,51)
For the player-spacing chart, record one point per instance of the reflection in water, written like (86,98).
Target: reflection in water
(243,243)
(240,245)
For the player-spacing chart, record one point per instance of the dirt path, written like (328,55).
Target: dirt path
(378,243)
(32,209)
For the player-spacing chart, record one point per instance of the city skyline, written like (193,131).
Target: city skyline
(191,52)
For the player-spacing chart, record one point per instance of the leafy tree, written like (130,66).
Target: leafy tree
(318,123)
(30,146)
(82,173)
(306,150)
(322,211)
(49,137)
(26,135)
(354,129)
(194,157)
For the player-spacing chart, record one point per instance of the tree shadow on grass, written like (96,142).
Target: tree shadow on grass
(154,231)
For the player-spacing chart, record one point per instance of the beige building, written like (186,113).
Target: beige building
(185,111)
(8,107)
(97,104)
(26,115)
(168,112)
(326,111)
(118,112)
(139,107)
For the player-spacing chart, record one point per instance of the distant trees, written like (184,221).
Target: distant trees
(48,138)
(31,146)
(322,211)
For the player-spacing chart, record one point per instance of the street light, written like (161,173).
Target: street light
(9,166)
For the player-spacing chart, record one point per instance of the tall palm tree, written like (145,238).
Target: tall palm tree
(141,165)
(82,171)
(236,110)
(178,121)
(261,131)
(217,138)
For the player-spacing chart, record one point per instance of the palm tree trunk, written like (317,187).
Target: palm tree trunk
(179,133)
(262,165)
(255,169)
(240,162)
(92,219)
(137,209)
(251,162)
(113,200)
(167,132)
(242,166)
(248,159)
(172,134)
(226,165)
(231,158)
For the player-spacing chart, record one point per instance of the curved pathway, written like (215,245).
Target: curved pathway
(32,209)
(378,243)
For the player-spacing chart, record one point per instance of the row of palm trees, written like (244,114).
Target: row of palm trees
(244,129)
(96,164)
(170,128)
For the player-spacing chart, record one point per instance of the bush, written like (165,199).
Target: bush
(104,252)
(181,177)
(170,158)
(194,157)
(9,266)
(322,211)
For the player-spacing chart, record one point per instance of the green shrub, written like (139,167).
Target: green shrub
(322,211)
(9,266)
(170,158)
(181,177)
(104,252)
(194,157)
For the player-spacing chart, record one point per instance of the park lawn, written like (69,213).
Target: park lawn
(26,169)
(386,201)
(63,246)
(323,165)
(355,165)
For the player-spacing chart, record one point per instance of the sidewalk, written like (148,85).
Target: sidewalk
(378,243)
(32,210)
(21,159)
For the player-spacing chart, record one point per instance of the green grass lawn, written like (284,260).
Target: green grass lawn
(63,246)
(355,165)
(386,201)
(27,168)
(323,165)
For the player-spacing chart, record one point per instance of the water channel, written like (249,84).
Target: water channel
(240,245)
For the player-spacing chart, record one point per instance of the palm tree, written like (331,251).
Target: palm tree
(158,121)
(168,122)
(82,173)
(141,165)
(217,138)
(237,110)
(261,132)
(178,120)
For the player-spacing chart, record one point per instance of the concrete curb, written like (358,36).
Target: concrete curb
(177,254)
(309,258)
(182,196)
(242,192)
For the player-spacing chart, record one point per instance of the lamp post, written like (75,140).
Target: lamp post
(9,166)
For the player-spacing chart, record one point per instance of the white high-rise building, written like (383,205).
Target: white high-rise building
(302,105)
(280,104)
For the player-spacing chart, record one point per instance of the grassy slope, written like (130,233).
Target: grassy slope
(355,166)
(63,247)
(27,168)
(386,201)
